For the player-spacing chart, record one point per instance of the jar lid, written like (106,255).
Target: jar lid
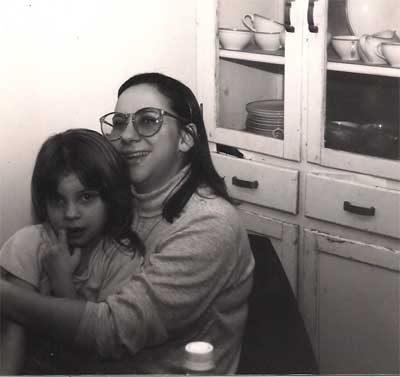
(199,356)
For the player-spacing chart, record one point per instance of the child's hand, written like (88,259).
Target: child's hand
(60,265)
(58,259)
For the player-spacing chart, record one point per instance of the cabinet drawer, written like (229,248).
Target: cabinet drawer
(353,204)
(253,182)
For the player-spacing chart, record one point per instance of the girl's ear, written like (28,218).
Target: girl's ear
(188,135)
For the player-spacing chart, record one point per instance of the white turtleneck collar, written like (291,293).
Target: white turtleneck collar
(151,204)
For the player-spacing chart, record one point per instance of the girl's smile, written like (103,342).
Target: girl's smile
(156,159)
(135,157)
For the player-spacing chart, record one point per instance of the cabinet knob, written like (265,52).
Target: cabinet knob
(245,184)
(364,211)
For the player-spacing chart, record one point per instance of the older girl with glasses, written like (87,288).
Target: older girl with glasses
(197,270)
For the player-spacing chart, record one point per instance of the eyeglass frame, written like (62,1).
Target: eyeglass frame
(131,117)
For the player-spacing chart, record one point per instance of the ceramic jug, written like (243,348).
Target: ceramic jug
(368,46)
(388,34)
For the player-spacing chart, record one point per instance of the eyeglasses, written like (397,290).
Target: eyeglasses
(147,122)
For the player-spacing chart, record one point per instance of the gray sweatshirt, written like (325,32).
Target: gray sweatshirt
(193,285)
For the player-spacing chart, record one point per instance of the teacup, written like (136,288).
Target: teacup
(390,51)
(257,23)
(268,41)
(346,46)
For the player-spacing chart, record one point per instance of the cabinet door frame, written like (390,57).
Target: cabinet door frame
(316,243)
(207,31)
(315,73)
(278,232)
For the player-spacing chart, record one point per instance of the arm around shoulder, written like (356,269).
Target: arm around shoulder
(195,259)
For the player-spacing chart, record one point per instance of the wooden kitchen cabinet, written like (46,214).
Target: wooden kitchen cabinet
(356,92)
(258,183)
(246,76)
(336,207)
(351,300)
(356,205)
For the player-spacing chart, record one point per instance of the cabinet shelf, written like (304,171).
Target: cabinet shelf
(363,69)
(242,139)
(254,55)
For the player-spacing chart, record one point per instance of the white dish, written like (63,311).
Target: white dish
(265,120)
(372,16)
(258,118)
(266,106)
(264,127)
(264,115)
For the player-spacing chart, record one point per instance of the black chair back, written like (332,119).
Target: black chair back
(275,340)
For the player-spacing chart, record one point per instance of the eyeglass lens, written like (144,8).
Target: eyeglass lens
(147,122)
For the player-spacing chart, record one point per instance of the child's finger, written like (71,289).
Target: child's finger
(62,236)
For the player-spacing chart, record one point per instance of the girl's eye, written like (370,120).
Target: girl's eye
(148,120)
(57,201)
(89,196)
(119,122)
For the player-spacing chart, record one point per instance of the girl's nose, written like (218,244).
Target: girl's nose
(130,133)
(72,211)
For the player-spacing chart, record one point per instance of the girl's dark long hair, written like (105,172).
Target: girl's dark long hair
(98,166)
(202,171)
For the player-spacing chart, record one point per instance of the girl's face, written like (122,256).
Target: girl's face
(81,212)
(156,159)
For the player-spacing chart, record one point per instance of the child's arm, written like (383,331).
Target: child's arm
(12,337)
(63,286)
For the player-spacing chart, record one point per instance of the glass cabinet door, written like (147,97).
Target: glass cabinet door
(357,122)
(257,76)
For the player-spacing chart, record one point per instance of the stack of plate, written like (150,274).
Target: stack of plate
(265,118)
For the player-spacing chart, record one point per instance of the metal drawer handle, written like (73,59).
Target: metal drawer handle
(288,24)
(364,211)
(246,184)
(310,17)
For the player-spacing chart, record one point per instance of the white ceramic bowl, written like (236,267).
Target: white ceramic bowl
(346,46)
(391,52)
(234,39)
(268,41)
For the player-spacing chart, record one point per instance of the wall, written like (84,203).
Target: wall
(61,64)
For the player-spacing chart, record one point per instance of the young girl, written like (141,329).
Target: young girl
(82,247)
(197,270)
